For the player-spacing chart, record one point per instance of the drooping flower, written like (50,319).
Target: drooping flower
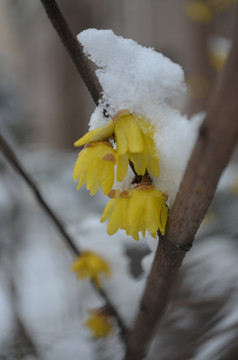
(95,167)
(143,208)
(90,265)
(116,211)
(99,323)
(147,211)
(134,142)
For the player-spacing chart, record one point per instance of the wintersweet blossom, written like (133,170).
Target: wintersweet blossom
(116,211)
(95,167)
(143,208)
(90,265)
(133,141)
(99,323)
(149,135)
(147,211)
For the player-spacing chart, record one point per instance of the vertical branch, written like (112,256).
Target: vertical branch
(217,139)
(74,49)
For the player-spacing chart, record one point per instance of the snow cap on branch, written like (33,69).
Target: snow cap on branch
(131,75)
(144,82)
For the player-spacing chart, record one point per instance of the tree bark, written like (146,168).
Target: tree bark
(217,138)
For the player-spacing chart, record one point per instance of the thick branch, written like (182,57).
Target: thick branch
(217,139)
(12,159)
(74,49)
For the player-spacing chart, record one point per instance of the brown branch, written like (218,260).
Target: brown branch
(217,139)
(12,159)
(74,49)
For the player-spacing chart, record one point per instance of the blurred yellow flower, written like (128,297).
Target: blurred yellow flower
(217,59)
(99,324)
(90,265)
(221,5)
(95,167)
(143,208)
(198,11)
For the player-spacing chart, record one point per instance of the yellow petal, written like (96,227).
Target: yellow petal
(101,133)
(152,214)
(153,166)
(80,165)
(139,162)
(122,166)
(117,219)
(91,172)
(133,134)
(107,177)
(120,137)
(136,212)
(108,210)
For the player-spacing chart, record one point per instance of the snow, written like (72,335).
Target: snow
(144,81)
(131,75)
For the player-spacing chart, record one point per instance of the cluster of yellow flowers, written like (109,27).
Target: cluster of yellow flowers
(126,140)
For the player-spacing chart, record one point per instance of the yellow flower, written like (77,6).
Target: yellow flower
(101,133)
(221,5)
(90,265)
(218,59)
(116,210)
(198,11)
(143,208)
(95,167)
(134,142)
(147,211)
(99,324)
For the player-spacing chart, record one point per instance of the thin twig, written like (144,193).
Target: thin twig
(217,139)
(12,159)
(74,49)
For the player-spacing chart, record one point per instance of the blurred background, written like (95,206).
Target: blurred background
(38,77)
(44,108)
